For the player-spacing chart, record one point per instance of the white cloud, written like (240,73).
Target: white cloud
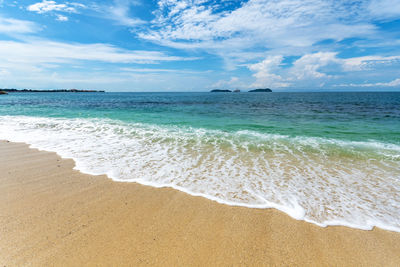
(119,12)
(264,73)
(44,51)
(233,82)
(24,76)
(277,27)
(62,18)
(284,27)
(393,83)
(269,24)
(48,64)
(54,8)
(15,26)
(384,9)
(308,66)
(49,5)
(367,62)
(155,70)
(270,72)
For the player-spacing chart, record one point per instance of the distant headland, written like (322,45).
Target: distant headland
(50,91)
(264,90)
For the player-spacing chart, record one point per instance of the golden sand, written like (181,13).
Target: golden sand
(52,215)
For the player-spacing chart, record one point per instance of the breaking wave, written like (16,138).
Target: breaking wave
(319,180)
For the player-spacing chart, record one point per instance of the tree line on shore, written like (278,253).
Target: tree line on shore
(6,90)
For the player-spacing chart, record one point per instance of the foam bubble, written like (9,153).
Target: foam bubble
(323,181)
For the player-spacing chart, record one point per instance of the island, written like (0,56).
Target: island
(220,91)
(266,90)
(50,91)
(3,92)
(261,90)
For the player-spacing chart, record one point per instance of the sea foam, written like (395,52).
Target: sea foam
(322,181)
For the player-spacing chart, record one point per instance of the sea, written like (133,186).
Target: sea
(326,158)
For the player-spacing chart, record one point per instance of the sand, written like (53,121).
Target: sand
(52,215)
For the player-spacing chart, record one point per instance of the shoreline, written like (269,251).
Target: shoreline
(92,156)
(295,213)
(54,215)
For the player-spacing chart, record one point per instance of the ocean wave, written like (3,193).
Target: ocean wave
(319,180)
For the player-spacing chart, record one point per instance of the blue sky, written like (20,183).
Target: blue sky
(198,45)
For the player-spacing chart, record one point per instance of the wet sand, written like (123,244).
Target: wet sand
(52,215)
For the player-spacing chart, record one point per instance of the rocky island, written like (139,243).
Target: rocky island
(220,91)
(261,90)
(266,90)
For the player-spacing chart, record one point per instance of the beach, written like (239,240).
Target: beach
(52,215)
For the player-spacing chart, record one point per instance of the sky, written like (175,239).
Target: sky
(199,45)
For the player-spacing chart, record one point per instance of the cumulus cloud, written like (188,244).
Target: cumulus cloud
(62,18)
(49,5)
(264,72)
(309,65)
(54,8)
(270,72)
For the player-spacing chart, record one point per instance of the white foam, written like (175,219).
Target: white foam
(322,181)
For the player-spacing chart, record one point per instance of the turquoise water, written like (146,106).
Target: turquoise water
(349,116)
(327,158)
